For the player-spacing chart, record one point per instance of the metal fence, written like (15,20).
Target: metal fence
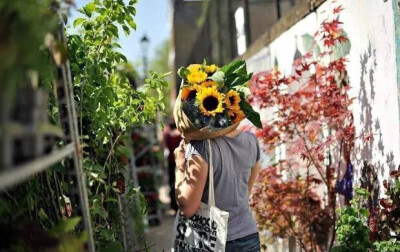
(27,141)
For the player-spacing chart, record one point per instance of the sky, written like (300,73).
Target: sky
(152,19)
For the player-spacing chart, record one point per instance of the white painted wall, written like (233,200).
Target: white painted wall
(372,74)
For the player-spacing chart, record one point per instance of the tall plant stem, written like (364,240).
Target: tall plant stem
(290,222)
(311,157)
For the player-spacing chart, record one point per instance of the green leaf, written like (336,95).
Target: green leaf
(123,58)
(107,3)
(361,191)
(143,204)
(42,214)
(113,30)
(65,18)
(66,226)
(253,116)
(183,72)
(238,80)
(364,212)
(111,247)
(161,124)
(126,30)
(125,150)
(241,69)
(89,8)
(115,45)
(79,21)
(132,24)
(165,75)
(218,77)
(103,213)
(111,200)
(238,66)
(132,10)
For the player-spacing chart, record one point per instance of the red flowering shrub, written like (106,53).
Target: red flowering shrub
(310,116)
(290,208)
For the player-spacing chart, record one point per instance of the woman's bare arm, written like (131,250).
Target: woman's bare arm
(190,181)
(253,175)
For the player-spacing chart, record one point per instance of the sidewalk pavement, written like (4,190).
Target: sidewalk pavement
(159,237)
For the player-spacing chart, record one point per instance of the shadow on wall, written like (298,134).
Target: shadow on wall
(366,98)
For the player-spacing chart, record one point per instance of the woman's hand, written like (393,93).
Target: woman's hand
(179,153)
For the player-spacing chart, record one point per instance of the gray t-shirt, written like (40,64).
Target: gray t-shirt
(233,159)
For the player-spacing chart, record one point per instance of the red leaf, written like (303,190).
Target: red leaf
(368,137)
(305,67)
(329,42)
(342,39)
(304,156)
(395,174)
(338,9)
(385,204)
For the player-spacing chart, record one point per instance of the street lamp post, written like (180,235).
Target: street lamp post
(144,43)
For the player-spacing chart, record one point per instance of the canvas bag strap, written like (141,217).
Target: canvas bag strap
(211,196)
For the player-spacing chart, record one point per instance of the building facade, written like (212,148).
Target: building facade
(270,33)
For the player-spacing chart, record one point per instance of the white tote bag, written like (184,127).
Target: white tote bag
(207,229)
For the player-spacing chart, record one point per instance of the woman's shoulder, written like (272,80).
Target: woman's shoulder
(248,135)
(196,147)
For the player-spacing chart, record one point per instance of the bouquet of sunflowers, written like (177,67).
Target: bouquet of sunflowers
(212,100)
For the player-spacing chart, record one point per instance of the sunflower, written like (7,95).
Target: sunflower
(211,101)
(209,83)
(194,67)
(236,115)
(211,69)
(232,99)
(196,77)
(189,92)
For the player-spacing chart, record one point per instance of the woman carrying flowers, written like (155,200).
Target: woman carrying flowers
(211,105)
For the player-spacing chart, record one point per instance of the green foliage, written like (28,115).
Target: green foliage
(387,246)
(183,72)
(390,211)
(160,64)
(252,115)
(353,232)
(233,74)
(22,34)
(66,226)
(352,229)
(108,102)
(98,73)
(113,246)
